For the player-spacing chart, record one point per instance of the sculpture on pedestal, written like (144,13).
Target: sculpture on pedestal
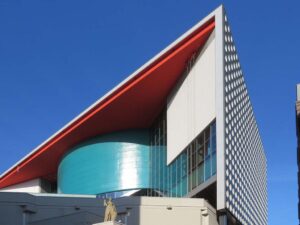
(110,211)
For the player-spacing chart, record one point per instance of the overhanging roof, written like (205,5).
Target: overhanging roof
(134,103)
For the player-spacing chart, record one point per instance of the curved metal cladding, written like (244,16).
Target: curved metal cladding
(113,162)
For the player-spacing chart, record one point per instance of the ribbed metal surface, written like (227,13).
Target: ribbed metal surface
(114,162)
(245,160)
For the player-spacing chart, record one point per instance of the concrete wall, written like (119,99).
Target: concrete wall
(22,209)
(31,186)
(192,106)
(176,211)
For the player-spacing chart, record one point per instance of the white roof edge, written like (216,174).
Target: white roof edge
(174,43)
(57,195)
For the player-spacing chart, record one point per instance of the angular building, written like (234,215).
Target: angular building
(180,126)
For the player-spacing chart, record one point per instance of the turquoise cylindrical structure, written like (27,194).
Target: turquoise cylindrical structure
(110,163)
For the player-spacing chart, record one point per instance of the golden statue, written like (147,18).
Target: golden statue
(110,211)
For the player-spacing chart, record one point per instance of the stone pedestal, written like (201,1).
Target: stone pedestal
(109,223)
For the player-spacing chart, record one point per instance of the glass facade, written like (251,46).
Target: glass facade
(116,164)
(195,165)
(117,194)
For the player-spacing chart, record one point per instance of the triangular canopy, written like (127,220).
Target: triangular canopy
(135,103)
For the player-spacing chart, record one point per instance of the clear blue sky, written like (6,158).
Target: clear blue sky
(58,57)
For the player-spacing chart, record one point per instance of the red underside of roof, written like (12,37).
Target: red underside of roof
(134,105)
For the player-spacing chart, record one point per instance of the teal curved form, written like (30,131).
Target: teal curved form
(114,162)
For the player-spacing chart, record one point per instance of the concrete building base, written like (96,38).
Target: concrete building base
(45,209)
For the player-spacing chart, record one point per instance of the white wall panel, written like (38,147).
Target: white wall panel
(32,186)
(191,107)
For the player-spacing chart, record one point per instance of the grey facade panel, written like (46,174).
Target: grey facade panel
(245,160)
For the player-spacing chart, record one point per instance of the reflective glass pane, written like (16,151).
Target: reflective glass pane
(214,164)
(207,165)
(201,173)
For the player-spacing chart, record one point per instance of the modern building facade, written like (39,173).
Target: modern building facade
(182,125)
(298,141)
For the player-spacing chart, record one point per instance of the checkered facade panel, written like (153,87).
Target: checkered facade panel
(245,161)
